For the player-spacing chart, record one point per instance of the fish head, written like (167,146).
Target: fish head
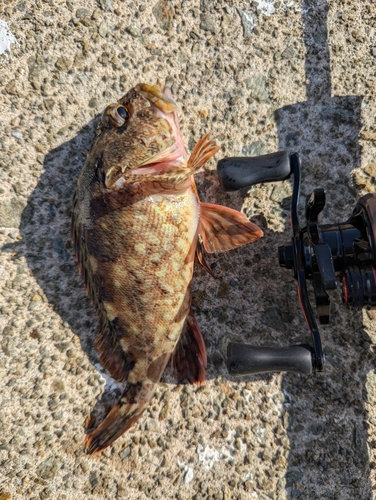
(139,135)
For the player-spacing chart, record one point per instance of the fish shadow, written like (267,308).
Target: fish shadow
(47,247)
(45,228)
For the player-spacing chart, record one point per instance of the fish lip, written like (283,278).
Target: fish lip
(162,100)
(174,156)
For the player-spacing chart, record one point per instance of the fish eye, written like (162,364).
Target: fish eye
(122,112)
(115,115)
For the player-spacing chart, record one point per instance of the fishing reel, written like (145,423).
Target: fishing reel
(324,254)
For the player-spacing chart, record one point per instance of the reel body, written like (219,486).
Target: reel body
(326,255)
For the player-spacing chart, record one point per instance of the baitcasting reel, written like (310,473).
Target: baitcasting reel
(320,253)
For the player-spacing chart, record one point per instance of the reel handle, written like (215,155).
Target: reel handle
(244,359)
(240,172)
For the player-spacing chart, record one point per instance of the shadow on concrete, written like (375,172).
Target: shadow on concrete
(46,245)
(48,250)
(326,411)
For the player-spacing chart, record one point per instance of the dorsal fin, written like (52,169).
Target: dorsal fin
(204,149)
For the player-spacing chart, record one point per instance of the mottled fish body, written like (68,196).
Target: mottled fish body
(137,225)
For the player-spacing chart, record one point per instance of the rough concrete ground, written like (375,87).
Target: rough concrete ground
(303,79)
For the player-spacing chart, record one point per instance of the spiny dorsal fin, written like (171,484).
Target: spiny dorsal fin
(204,149)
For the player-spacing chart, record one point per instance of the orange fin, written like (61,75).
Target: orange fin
(188,361)
(128,410)
(111,354)
(204,149)
(122,416)
(223,229)
(200,255)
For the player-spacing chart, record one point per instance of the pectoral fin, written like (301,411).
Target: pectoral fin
(223,229)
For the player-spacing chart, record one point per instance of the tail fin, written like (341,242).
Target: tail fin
(122,416)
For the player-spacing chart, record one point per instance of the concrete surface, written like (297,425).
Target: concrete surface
(261,76)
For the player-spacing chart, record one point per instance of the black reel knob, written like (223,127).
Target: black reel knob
(244,359)
(240,172)
(236,173)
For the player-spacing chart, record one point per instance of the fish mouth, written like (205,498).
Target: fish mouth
(173,156)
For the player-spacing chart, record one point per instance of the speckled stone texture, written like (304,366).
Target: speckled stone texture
(302,80)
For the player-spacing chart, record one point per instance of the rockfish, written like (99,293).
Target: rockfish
(137,225)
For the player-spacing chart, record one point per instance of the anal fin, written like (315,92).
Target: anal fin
(188,361)
(200,255)
(111,354)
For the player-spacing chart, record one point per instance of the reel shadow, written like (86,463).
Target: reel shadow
(326,413)
(328,457)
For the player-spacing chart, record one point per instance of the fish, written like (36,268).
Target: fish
(137,227)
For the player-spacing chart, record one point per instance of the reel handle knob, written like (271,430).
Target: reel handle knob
(240,172)
(244,359)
